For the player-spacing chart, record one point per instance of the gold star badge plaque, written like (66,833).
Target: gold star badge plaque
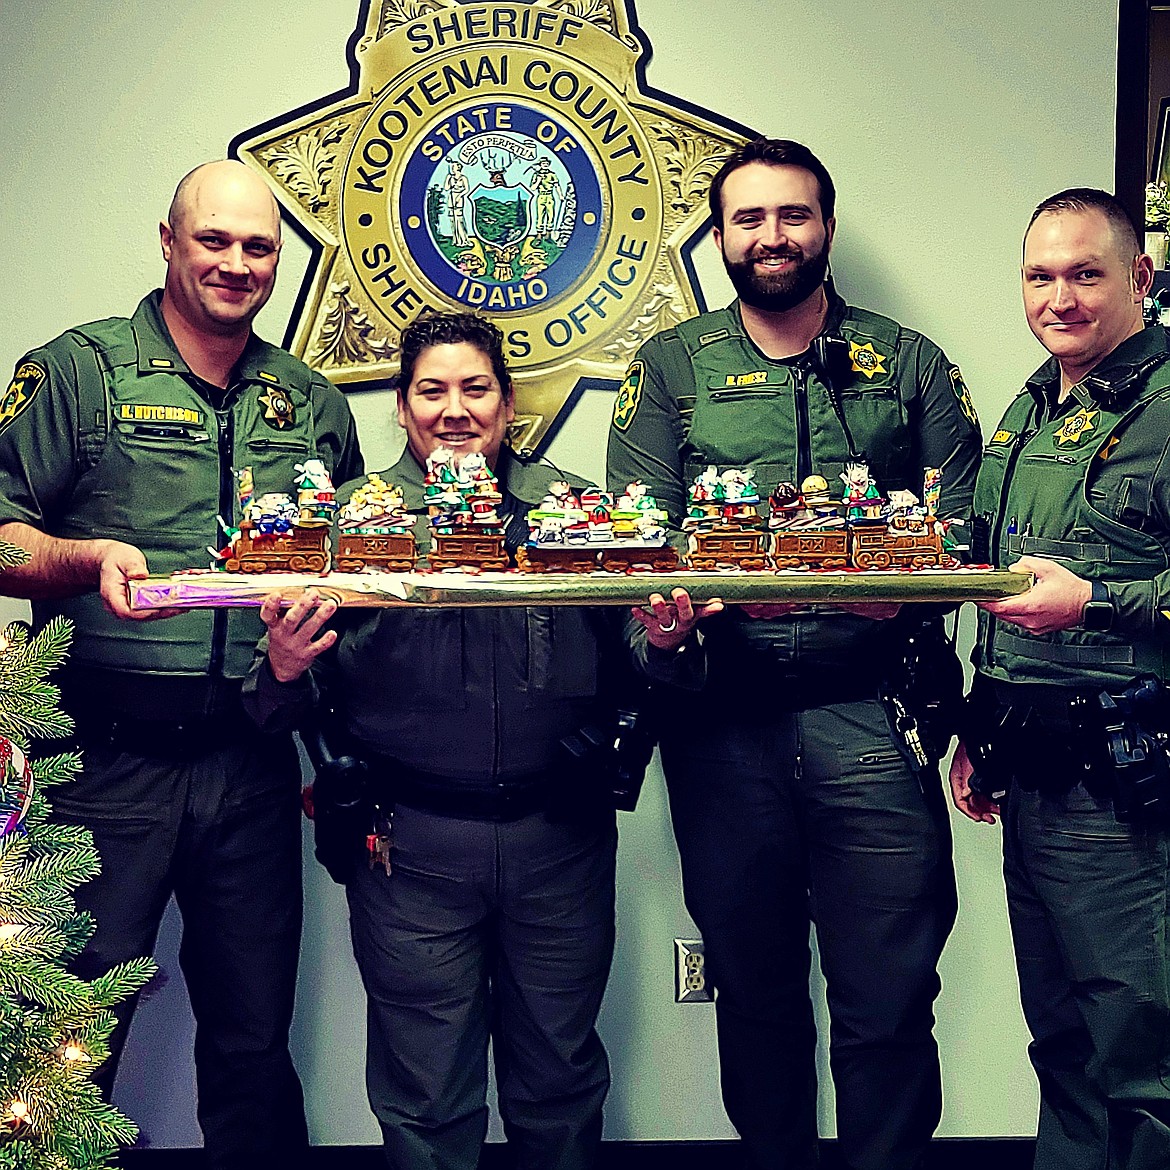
(502,158)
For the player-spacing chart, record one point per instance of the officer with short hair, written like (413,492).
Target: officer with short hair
(1069,695)
(118,442)
(792,800)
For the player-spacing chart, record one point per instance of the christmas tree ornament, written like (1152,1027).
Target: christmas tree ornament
(16,786)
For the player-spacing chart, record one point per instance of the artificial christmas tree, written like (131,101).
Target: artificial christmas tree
(53,1026)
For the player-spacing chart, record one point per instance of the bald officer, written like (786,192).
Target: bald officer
(118,443)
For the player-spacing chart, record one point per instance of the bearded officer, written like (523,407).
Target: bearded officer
(1075,489)
(790,798)
(117,448)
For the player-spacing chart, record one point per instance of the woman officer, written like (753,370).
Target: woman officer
(496,913)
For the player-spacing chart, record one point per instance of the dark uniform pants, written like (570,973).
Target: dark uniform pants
(786,818)
(222,832)
(500,928)
(1087,899)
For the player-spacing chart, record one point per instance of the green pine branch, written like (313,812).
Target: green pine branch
(54,1026)
(51,837)
(52,770)
(35,724)
(12,555)
(41,982)
(39,941)
(68,866)
(120,982)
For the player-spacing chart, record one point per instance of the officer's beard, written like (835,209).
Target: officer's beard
(784,290)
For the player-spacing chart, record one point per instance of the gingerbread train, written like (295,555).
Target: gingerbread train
(806,527)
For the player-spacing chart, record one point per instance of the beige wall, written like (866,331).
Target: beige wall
(943,125)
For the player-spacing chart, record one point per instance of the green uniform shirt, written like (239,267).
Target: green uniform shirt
(105,432)
(703,393)
(1085,482)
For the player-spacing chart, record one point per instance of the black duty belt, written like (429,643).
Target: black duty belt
(164,739)
(393,783)
(1054,706)
(153,697)
(792,688)
(1058,737)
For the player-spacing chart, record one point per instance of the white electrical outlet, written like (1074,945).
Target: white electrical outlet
(690,974)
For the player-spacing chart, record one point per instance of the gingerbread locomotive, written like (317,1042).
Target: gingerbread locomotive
(277,533)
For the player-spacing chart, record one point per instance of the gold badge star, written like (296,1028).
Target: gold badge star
(864,359)
(502,158)
(1076,426)
(278,408)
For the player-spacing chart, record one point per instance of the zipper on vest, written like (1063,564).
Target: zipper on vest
(1005,483)
(148,432)
(803,438)
(738,394)
(227,509)
(497,728)
(1051,457)
(278,445)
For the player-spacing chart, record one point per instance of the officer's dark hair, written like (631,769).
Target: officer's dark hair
(774,152)
(1088,198)
(434,328)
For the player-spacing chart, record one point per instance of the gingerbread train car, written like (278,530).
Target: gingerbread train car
(375,531)
(582,533)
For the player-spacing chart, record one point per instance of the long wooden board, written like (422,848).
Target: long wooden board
(217,590)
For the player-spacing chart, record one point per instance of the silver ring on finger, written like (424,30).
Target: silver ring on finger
(668,628)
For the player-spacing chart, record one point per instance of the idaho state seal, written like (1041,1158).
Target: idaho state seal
(501,157)
(503,223)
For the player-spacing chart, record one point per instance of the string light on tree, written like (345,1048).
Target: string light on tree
(15,1121)
(72,1051)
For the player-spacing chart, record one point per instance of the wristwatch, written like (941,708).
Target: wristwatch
(1099,611)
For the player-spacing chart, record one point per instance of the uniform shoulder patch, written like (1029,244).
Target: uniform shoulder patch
(628,396)
(28,379)
(963,395)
